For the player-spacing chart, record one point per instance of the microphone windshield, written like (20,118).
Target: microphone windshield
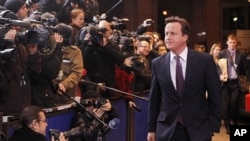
(113,124)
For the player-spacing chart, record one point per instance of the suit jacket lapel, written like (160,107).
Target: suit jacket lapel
(189,71)
(168,75)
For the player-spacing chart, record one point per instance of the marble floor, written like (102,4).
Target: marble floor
(223,136)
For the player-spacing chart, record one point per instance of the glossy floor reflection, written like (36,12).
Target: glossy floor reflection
(223,136)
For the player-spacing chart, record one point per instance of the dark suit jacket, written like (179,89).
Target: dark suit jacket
(201,114)
(239,60)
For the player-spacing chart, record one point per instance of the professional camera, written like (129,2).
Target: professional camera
(73,132)
(119,24)
(40,36)
(97,103)
(45,19)
(137,62)
(96,33)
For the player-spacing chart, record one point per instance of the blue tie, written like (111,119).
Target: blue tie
(179,76)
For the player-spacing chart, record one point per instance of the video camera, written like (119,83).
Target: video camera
(97,103)
(37,29)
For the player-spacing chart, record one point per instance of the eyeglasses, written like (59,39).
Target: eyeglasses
(44,121)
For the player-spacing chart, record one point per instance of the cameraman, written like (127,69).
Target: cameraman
(91,129)
(50,42)
(33,126)
(16,62)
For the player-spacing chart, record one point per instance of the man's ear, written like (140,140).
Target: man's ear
(185,37)
(34,124)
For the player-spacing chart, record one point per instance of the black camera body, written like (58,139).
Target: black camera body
(97,103)
(73,132)
(96,33)
(137,62)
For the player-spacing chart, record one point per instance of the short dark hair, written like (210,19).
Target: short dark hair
(30,113)
(186,30)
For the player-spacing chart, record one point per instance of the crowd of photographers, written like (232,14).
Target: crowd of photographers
(51,48)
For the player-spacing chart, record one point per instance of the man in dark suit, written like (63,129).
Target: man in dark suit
(231,89)
(181,110)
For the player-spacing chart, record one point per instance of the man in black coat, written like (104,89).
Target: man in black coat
(101,56)
(34,123)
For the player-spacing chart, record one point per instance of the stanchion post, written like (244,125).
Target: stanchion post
(130,123)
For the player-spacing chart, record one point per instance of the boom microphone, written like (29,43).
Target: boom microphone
(113,124)
(113,89)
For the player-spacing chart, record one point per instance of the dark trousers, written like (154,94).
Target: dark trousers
(180,133)
(230,102)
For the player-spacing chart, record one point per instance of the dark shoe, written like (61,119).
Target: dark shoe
(235,122)
(228,130)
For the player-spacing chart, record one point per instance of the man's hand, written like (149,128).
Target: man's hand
(61,138)
(107,106)
(131,104)
(58,38)
(151,136)
(98,112)
(10,35)
(61,88)
(128,62)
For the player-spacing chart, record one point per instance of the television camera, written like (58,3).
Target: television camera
(38,29)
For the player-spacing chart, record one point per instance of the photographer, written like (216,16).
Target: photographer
(50,48)
(33,126)
(143,74)
(72,64)
(99,50)
(91,129)
(101,56)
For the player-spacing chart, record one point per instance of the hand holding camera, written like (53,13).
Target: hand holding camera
(107,106)
(10,35)
(98,112)
(147,22)
(58,38)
